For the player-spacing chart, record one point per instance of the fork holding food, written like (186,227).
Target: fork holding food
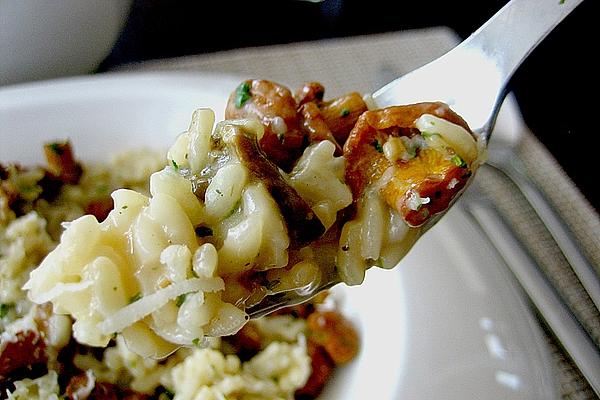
(287,196)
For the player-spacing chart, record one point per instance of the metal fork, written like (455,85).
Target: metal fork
(471,79)
(557,316)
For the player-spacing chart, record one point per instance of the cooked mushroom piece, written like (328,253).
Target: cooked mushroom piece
(275,107)
(418,167)
(302,223)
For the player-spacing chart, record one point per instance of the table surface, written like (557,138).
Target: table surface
(549,87)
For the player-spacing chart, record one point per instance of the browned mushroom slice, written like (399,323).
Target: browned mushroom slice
(335,333)
(61,162)
(275,108)
(422,184)
(314,124)
(309,91)
(341,114)
(303,224)
(322,367)
(24,349)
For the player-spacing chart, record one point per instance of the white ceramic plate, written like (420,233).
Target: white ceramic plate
(447,323)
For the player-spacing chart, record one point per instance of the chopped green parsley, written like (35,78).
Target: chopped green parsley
(458,161)
(426,134)
(102,189)
(242,94)
(175,165)
(345,112)
(377,146)
(4,309)
(135,297)
(180,299)
(56,148)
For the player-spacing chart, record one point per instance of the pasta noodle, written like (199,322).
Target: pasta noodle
(144,272)
(223,225)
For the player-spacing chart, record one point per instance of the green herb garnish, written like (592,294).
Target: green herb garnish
(458,161)
(377,146)
(175,165)
(166,395)
(242,94)
(4,309)
(196,342)
(426,134)
(345,112)
(57,148)
(379,263)
(135,297)
(180,299)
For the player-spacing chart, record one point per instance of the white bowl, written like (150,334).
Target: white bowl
(448,323)
(41,39)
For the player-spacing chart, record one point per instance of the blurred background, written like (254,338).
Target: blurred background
(551,88)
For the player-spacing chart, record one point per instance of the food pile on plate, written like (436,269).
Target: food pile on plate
(161,259)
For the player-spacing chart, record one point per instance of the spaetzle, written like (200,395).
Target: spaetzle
(244,209)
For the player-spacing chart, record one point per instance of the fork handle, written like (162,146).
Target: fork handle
(472,77)
(511,34)
(516,29)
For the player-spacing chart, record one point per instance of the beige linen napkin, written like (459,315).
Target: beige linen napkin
(363,64)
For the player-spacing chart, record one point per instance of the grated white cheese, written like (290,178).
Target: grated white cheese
(415,201)
(139,309)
